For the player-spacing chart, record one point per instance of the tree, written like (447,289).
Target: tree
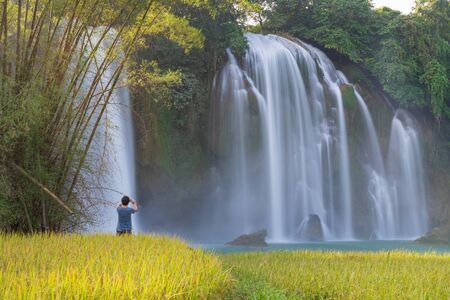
(60,63)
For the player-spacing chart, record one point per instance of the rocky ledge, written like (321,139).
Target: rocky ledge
(437,235)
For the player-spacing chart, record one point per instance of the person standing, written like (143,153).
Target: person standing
(124,213)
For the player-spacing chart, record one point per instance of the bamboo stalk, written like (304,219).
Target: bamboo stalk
(19,17)
(83,122)
(117,76)
(5,36)
(40,25)
(31,36)
(83,70)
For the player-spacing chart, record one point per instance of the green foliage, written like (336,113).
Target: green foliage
(349,98)
(157,83)
(338,24)
(53,58)
(408,54)
(436,79)
(173,97)
(6,205)
(398,73)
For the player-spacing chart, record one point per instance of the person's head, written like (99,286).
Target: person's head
(125,200)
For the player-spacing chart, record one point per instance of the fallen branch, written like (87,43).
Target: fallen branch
(46,190)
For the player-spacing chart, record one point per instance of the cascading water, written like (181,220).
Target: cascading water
(377,185)
(113,148)
(121,171)
(279,132)
(409,212)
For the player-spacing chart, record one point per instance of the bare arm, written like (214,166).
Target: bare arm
(134,205)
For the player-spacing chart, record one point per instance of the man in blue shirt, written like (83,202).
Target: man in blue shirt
(124,215)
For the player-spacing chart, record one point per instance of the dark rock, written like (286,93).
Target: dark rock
(437,235)
(255,239)
(310,229)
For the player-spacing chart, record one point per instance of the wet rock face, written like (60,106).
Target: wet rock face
(255,239)
(310,229)
(437,235)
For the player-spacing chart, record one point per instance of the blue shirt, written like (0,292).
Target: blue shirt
(124,220)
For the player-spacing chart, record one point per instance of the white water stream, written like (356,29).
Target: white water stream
(280,132)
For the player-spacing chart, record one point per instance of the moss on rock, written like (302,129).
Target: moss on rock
(438,235)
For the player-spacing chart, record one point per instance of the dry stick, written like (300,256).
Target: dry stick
(117,76)
(46,190)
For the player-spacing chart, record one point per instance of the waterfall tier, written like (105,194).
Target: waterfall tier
(281,139)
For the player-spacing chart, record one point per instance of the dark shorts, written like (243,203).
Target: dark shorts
(124,232)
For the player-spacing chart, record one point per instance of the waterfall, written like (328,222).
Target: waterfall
(406,175)
(377,185)
(112,153)
(280,136)
(120,177)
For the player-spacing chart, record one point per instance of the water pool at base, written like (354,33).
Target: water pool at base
(362,246)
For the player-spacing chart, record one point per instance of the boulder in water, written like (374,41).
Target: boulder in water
(437,235)
(255,239)
(310,229)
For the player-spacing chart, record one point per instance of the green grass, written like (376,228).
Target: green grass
(157,267)
(107,267)
(341,275)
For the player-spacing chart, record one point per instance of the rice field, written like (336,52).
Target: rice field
(340,275)
(107,267)
(158,267)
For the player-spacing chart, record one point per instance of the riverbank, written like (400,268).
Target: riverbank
(149,267)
